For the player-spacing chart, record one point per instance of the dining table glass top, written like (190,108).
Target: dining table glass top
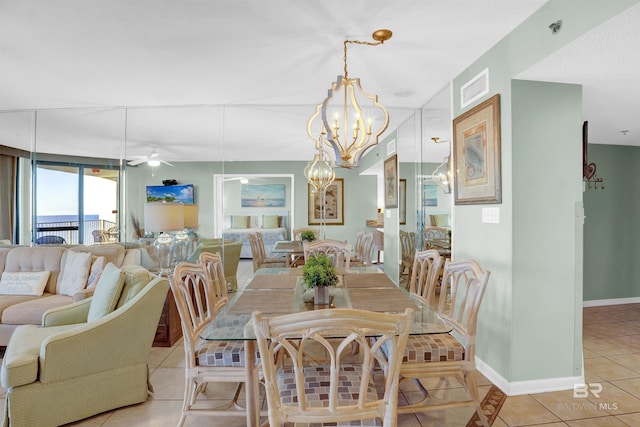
(278,291)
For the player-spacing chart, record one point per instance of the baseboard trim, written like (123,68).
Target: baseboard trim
(615,301)
(517,388)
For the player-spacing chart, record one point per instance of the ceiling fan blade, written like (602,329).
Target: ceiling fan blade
(165,162)
(136,162)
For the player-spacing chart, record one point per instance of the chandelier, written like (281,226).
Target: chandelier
(349,131)
(442,174)
(319,171)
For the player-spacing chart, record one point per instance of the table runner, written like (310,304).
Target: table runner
(269,301)
(272,281)
(368,280)
(390,300)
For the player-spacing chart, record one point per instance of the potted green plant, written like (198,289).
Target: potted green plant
(319,273)
(308,236)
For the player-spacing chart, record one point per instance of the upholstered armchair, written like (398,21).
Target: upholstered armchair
(230,253)
(89,357)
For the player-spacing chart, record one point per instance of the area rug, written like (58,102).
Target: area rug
(491,405)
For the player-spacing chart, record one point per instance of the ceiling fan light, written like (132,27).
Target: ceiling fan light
(153,163)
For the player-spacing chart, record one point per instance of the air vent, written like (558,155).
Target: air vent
(475,88)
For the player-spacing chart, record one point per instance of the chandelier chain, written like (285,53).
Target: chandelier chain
(346,73)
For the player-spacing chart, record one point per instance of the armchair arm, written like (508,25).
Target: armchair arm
(66,315)
(120,339)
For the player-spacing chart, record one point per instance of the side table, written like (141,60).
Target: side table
(169,328)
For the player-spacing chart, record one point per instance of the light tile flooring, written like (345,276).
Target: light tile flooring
(612,358)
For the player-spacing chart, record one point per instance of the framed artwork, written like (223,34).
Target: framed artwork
(331,202)
(429,194)
(391,182)
(171,193)
(402,200)
(476,147)
(262,196)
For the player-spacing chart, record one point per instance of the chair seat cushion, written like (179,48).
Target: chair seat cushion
(317,382)
(222,353)
(432,348)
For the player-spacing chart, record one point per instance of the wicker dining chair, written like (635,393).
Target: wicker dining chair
(258,254)
(363,248)
(339,252)
(340,390)
(205,361)
(424,275)
(442,355)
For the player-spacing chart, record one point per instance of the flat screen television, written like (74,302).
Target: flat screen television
(170,193)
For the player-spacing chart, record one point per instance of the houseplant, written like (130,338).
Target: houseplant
(319,273)
(308,236)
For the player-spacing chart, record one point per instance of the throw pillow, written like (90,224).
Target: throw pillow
(107,292)
(270,221)
(239,221)
(75,272)
(23,282)
(97,265)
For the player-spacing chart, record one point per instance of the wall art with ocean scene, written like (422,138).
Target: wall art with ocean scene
(268,195)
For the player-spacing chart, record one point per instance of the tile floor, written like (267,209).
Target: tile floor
(612,358)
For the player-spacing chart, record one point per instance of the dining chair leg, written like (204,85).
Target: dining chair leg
(251,387)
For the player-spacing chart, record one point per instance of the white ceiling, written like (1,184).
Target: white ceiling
(212,80)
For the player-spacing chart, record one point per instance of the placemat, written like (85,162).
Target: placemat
(271,301)
(368,280)
(391,300)
(272,281)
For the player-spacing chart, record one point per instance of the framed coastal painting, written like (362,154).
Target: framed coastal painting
(391,182)
(330,203)
(476,147)
(262,196)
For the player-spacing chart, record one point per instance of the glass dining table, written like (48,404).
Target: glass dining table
(278,291)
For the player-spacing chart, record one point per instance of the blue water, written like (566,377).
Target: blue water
(63,218)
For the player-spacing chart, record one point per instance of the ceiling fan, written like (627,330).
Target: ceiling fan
(152,160)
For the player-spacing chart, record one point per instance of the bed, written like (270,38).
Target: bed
(274,226)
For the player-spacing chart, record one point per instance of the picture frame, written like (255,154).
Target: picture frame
(333,198)
(391,186)
(477,157)
(402,201)
(262,195)
(429,193)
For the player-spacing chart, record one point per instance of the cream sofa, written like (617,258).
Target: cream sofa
(18,310)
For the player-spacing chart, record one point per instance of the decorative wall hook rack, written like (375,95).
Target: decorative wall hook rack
(589,169)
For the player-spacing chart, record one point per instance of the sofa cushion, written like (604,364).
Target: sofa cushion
(24,258)
(135,279)
(31,312)
(107,292)
(21,359)
(8,301)
(23,282)
(97,265)
(74,272)
(112,252)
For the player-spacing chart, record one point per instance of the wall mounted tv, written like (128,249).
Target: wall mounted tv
(170,193)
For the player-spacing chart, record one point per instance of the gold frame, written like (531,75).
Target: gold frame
(334,197)
(391,185)
(402,202)
(476,151)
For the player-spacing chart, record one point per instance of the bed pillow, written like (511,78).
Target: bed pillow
(270,221)
(239,221)
(23,282)
(75,273)
(440,220)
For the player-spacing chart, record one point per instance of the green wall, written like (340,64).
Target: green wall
(611,232)
(506,320)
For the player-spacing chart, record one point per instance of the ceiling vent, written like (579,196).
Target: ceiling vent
(474,89)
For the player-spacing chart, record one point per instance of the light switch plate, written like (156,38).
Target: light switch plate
(491,215)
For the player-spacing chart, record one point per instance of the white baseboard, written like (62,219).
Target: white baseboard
(616,301)
(517,388)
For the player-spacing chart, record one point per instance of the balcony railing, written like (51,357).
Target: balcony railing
(70,230)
